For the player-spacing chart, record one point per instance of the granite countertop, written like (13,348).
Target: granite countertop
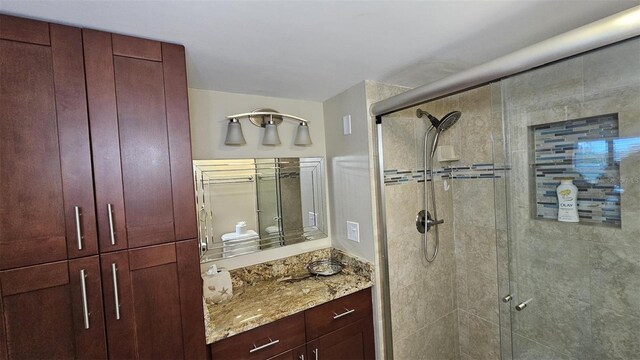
(271,291)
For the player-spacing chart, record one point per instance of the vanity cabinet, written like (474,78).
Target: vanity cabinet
(354,341)
(83,278)
(339,329)
(298,353)
(264,341)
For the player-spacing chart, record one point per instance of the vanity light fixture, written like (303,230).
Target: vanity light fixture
(234,133)
(271,136)
(269,119)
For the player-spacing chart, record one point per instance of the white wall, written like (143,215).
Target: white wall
(352,175)
(208,111)
(348,170)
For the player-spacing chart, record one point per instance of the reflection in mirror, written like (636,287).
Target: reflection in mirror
(249,205)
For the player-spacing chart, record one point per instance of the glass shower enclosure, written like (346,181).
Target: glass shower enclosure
(511,281)
(575,287)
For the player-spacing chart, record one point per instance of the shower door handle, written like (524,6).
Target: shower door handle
(523,305)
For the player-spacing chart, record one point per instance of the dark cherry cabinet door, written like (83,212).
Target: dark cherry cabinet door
(53,311)
(191,311)
(101,98)
(298,353)
(144,151)
(153,302)
(47,210)
(175,80)
(139,121)
(352,342)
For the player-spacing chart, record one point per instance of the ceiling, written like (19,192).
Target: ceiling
(313,50)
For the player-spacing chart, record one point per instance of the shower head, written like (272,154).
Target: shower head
(448,120)
(441,125)
(434,120)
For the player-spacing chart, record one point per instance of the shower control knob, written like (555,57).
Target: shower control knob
(432,222)
(421,221)
(424,221)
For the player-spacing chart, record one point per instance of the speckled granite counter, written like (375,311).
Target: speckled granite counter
(270,291)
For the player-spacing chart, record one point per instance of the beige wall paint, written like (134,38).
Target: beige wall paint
(208,111)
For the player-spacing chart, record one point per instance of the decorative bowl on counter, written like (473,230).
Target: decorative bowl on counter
(325,267)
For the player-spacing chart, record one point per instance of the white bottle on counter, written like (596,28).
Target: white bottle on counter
(567,201)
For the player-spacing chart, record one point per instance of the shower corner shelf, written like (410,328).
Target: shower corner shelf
(446,153)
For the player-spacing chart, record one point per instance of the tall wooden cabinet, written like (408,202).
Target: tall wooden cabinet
(98,256)
(140,140)
(45,162)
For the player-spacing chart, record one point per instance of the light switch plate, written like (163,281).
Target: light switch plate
(312,219)
(346,124)
(353,231)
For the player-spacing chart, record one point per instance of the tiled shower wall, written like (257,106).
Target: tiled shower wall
(584,279)
(446,309)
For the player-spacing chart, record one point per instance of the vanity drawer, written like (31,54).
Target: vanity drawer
(335,314)
(262,342)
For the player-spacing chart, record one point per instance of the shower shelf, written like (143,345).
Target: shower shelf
(581,149)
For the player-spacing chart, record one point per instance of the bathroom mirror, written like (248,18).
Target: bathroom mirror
(250,205)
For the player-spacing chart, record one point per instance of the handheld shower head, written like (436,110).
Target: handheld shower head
(440,125)
(448,120)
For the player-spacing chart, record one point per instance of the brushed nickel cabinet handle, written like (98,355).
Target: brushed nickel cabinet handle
(337,316)
(316,353)
(301,357)
(270,343)
(116,297)
(112,233)
(78,213)
(85,305)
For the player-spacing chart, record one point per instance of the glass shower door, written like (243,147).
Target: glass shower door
(574,287)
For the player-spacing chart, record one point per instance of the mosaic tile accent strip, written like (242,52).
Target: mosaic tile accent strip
(583,150)
(475,171)
(478,171)
(395,176)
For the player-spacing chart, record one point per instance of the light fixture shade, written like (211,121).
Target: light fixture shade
(271,136)
(234,133)
(302,135)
